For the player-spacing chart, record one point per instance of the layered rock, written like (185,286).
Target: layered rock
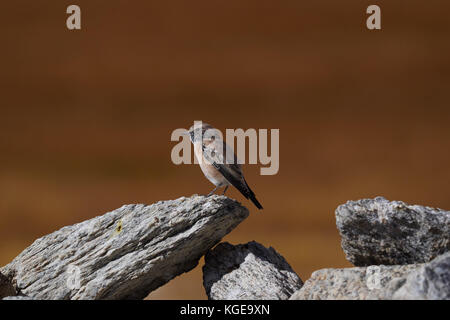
(248,271)
(427,281)
(378,231)
(125,253)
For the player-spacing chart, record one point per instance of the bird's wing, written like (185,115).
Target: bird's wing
(222,157)
(219,153)
(238,183)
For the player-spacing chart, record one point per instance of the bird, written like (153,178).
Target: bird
(218,160)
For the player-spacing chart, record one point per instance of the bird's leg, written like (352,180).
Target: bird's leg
(209,194)
(225,190)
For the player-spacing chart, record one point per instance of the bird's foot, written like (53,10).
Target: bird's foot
(212,192)
(225,190)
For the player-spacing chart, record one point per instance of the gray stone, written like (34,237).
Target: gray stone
(378,231)
(17,298)
(249,271)
(429,281)
(125,253)
(359,283)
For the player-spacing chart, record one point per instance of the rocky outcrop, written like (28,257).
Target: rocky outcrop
(17,298)
(428,281)
(401,252)
(378,231)
(125,253)
(248,271)
(360,283)
(393,242)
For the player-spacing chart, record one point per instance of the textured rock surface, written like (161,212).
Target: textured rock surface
(126,253)
(17,298)
(360,283)
(248,271)
(378,231)
(429,281)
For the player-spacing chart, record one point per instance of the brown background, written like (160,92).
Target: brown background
(86,116)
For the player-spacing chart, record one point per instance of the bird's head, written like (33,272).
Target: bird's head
(197,131)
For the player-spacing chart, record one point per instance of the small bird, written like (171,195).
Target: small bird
(218,161)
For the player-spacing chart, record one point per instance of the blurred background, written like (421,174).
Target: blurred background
(86,116)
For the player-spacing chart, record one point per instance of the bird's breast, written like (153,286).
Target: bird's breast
(210,172)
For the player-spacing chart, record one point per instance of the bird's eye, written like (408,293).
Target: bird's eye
(213,138)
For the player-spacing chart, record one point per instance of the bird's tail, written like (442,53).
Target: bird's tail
(251,195)
(239,183)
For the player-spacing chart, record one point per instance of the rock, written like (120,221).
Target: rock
(430,281)
(249,271)
(126,253)
(359,283)
(6,287)
(386,232)
(17,298)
